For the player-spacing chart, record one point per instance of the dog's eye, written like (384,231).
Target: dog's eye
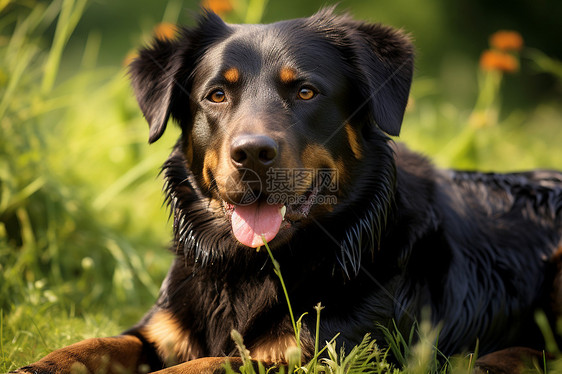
(306,93)
(217,96)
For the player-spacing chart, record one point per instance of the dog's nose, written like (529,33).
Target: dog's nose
(255,152)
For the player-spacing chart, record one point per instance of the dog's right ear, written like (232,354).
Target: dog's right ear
(153,77)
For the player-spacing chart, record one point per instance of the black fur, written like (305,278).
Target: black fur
(477,251)
(474,248)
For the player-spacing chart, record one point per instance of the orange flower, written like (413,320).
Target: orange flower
(220,7)
(131,56)
(496,60)
(506,40)
(165,31)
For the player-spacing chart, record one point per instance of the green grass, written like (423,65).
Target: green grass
(75,176)
(83,233)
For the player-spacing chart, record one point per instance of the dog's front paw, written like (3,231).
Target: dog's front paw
(52,367)
(37,369)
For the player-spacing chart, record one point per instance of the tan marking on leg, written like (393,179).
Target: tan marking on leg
(172,341)
(205,365)
(272,349)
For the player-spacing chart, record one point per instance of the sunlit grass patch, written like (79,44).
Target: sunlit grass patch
(74,178)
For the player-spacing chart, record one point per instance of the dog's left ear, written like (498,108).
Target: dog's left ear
(385,60)
(153,79)
(159,75)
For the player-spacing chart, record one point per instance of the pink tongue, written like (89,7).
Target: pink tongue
(250,222)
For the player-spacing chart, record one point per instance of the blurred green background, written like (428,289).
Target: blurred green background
(83,232)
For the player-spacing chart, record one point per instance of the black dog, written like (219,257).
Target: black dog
(285,139)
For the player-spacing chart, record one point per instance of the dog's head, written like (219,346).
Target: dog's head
(283,123)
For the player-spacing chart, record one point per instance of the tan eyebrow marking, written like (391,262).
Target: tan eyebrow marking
(287,75)
(232,75)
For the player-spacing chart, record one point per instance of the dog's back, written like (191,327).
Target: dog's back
(499,236)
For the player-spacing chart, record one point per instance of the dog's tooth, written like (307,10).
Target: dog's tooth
(283,211)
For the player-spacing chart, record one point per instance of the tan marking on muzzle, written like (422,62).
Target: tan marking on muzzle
(210,164)
(317,156)
(353,140)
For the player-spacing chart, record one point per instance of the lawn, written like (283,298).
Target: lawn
(83,232)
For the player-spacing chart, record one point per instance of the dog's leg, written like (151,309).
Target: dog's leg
(206,365)
(120,354)
(209,365)
(513,360)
